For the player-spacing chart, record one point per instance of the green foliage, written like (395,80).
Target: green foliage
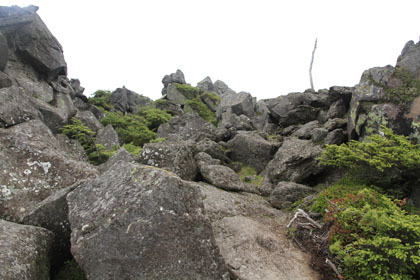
(250,172)
(101,100)
(188,91)
(212,96)
(373,238)
(132,149)
(383,159)
(202,110)
(69,271)
(157,140)
(78,131)
(130,128)
(154,117)
(101,154)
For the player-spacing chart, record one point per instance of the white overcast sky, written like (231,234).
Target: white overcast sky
(262,47)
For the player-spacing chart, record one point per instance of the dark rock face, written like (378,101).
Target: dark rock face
(127,101)
(140,222)
(4,52)
(24,252)
(177,157)
(107,137)
(295,161)
(252,150)
(34,43)
(34,166)
(410,58)
(188,127)
(286,193)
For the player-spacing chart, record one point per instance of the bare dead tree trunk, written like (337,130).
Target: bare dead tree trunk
(312,62)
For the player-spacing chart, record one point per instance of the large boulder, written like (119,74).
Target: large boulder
(177,77)
(127,101)
(24,252)
(251,237)
(221,176)
(222,89)
(240,103)
(141,222)
(286,193)
(89,120)
(252,150)
(296,161)
(206,84)
(177,157)
(107,137)
(188,127)
(34,166)
(33,42)
(410,58)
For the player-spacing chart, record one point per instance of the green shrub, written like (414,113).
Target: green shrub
(373,238)
(383,160)
(101,100)
(157,140)
(188,91)
(154,117)
(202,110)
(212,96)
(101,154)
(130,128)
(132,149)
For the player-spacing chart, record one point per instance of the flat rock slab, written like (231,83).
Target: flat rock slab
(252,238)
(142,222)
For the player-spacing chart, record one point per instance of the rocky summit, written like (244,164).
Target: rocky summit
(199,184)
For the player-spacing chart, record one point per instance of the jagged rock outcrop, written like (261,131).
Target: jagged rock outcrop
(177,77)
(34,165)
(206,84)
(240,103)
(127,101)
(410,58)
(141,222)
(222,89)
(251,237)
(24,252)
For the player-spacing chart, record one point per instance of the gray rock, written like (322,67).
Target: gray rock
(127,101)
(319,134)
(71,147)
(77,89)
(89,120)
(36,45)
(222,89)
(211,100)
(52,214)
(335,137)
(174,95)
(4,52)
(107,137)
(251,237)
(169,106)
(120,155)
(5,80)
(204,158)
(188,127)
(16,107)
(97,112)
(177,157)
(410,58)
(79,104)
(234,122)
(63,85)
(206,84)
(306,130)
(337,109)
(286,193)
(252,150)
(238,104)
(34,166)
(177,77)
(213,149)
(295,161)
(332,124)
(136,216)
(222,177)
(24,252)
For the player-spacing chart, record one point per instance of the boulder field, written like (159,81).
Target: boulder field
(207,203)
